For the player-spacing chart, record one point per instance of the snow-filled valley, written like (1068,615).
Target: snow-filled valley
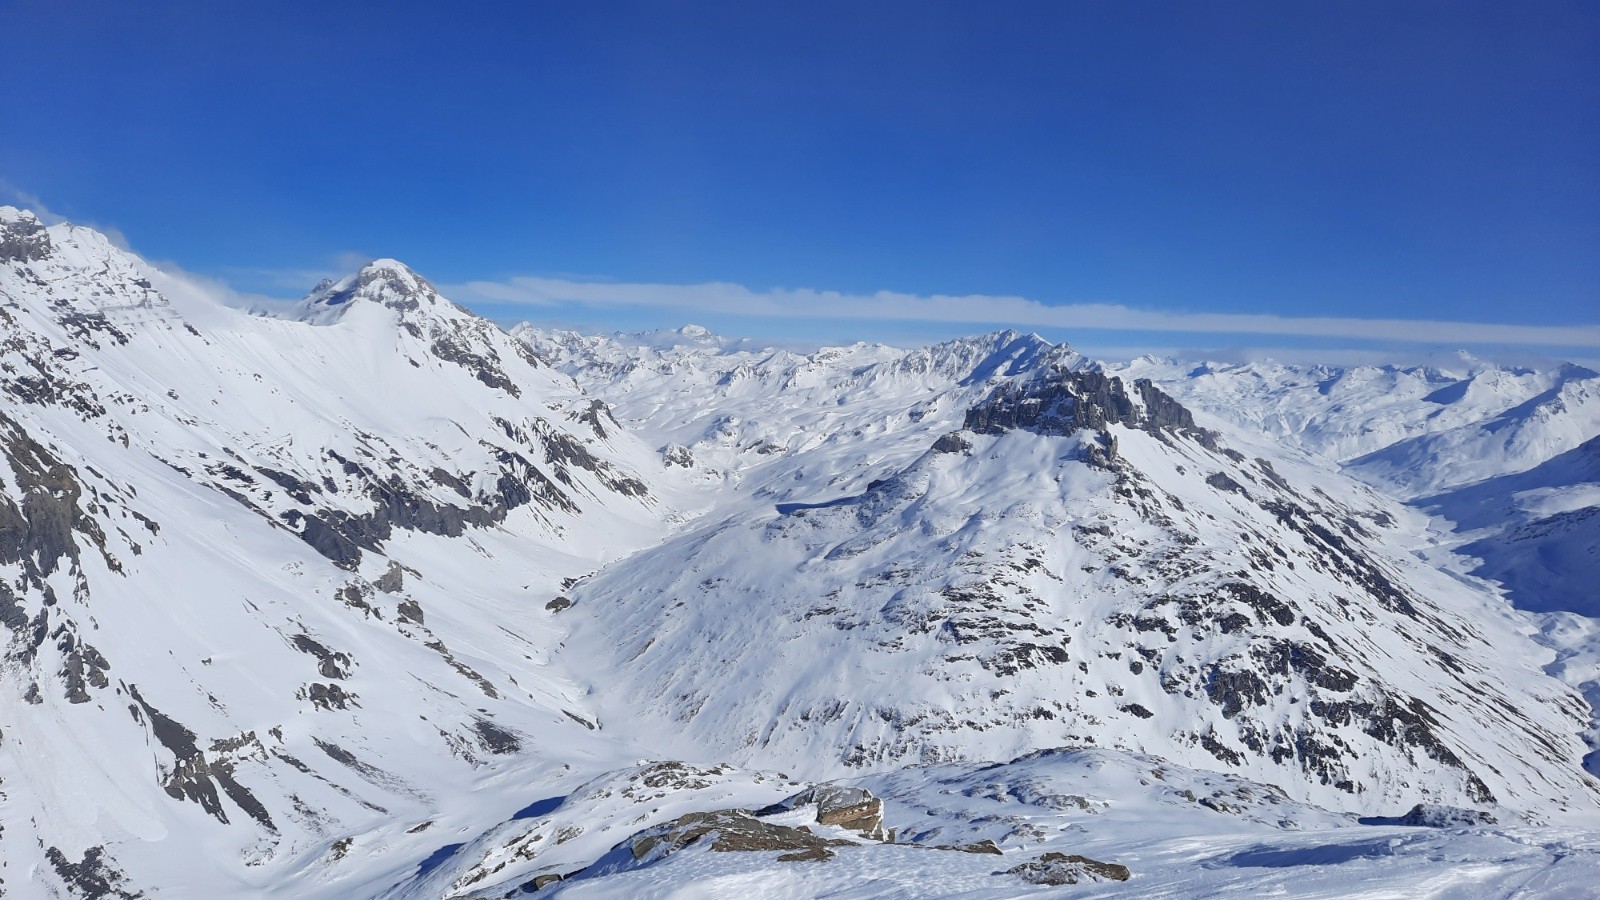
(373,598)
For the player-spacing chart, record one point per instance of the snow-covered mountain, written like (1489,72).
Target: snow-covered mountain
(782,424)
(1537,531)
(269,584)
(374,599)
(1414,431)
(1504,455)
(1067,558)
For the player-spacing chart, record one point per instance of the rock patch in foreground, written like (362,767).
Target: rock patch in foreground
(1433,815)
(733,830)
(1059,868)
(851,808)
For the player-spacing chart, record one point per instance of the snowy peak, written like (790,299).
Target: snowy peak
(22,236)
(1059,401)
(387,283)
(1417,430)
(73,288)
(975,360)
(1021,588)
(387,297)
(376,600)
(229,559)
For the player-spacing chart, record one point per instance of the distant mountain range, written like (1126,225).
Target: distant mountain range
(375,599)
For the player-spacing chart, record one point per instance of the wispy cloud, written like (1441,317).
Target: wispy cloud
(565,296)
(10,193)
(297,281)
(733,299)
(172,279)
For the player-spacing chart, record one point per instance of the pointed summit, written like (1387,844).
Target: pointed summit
(385,282)
(23,237)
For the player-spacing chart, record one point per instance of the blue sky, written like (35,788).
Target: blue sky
(1411,162)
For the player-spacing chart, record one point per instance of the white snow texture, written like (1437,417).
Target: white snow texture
(375,599)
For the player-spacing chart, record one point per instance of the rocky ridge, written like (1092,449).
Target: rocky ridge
(379,600)
(222,537)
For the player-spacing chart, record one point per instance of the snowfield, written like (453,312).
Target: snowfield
(376,599)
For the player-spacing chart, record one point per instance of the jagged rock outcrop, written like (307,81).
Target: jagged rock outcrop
(852,808)
(1433,815)
(1081,574)
(23,237)
(732,830)
(1057,869)
(218,534)
(376,600)
(1061,401)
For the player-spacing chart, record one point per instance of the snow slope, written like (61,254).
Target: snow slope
(279,585)
(1537,531)
(377,600)
(1503,455)
(1080,564)
(778,424)
(1414,431)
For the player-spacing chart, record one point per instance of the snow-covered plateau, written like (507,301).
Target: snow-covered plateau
(373,598)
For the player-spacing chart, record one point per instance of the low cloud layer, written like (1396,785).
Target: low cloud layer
(733,299)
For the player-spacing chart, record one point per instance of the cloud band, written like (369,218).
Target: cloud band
(734,299)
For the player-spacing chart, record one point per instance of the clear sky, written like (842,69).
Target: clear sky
(1210,172)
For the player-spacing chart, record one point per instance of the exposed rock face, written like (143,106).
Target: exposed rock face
(49,523)
(329,696)
(410,610)
(45,528)
(851,808)
(82,666)
(1433,815)
(496,739)
(1059,869)
(398,504)
(597,415)
(22,236)
(392,581)
(1177,596)
(94,877)
(1062,402)
(330,663)
(196,774)
(986,847)
(732,830)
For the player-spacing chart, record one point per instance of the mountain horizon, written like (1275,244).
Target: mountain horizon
(372,597)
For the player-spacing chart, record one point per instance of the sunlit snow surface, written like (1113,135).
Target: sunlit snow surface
(1373,863)
(377,601)
(1507,457)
